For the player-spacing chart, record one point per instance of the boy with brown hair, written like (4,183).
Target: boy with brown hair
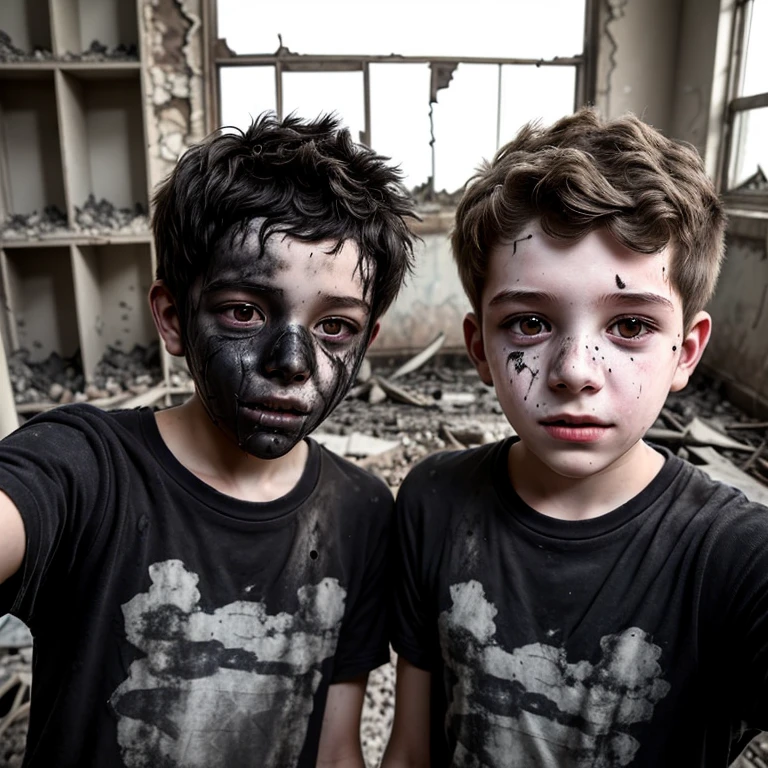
(573,596)
(205,584)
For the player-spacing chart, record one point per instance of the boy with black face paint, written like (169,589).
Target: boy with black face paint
(206,584)
(574,597)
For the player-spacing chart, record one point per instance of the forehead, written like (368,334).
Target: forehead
(591,267)
(239,258)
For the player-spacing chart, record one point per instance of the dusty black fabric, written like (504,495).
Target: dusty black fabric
(174,625)
(638,638)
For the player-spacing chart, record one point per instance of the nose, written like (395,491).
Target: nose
(291,358)
(578,366)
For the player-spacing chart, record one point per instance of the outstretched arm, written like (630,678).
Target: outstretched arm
(340,735)
(409,743)
(12,538)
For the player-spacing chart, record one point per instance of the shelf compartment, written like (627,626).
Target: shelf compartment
(104,157)
(31,178)
(111,283)
(28,24)
(39,302)
(76,24)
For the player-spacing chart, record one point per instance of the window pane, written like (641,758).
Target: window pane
(512,28)
(399,90)
(465,124)
(534,93)
(246,92)
(310,94)
(750,152)
(756,67)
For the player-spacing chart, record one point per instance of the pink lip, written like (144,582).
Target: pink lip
(575,429)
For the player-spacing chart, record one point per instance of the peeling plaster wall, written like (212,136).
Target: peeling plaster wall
(696,64)
(431,302)
(737,352)
(637,55)
(173,81)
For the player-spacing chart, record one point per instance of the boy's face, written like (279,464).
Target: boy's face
(274,339)
(582,342)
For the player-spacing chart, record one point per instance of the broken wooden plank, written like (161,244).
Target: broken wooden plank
(753,425)
(401,395)
(719,468)
(703,434)
(418,360)
(149,397)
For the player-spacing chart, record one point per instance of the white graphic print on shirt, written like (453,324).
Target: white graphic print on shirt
(224,687)
(531,706)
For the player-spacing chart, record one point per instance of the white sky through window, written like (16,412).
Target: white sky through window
(483,107)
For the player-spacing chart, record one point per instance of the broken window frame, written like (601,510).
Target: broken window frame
(737,106)
(218,55)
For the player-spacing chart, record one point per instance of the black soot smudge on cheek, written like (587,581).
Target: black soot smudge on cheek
(517,358)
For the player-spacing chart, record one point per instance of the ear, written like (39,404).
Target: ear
(166,318)
(691,350)
(374,333)
(473,338)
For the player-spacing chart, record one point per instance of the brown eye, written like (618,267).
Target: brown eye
(629,327)
(243,314)
(332,327)
(531,326)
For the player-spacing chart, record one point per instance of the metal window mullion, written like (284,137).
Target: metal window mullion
(279,90)
(367,104)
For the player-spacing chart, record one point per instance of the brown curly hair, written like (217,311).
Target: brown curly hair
(584,173)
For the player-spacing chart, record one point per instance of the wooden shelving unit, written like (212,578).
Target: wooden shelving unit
(73,127)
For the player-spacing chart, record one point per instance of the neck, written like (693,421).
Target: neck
(582,498)
(212,456)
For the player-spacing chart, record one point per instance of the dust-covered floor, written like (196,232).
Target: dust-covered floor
(457,410)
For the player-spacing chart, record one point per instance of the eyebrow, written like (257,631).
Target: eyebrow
(629,298)
(624,298)
(345,302)
(244,285)
(504,297)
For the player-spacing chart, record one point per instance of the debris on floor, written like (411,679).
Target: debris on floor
(15,685)
(447,407)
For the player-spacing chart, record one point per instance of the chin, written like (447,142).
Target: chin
(269,445)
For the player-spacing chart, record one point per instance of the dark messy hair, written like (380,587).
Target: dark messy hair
(584,173)
(307,179)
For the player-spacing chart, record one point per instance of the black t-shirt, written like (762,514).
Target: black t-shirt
(176,626)
(638,638)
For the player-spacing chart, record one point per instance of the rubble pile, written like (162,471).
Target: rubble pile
(97,51)
(400,414)
(15,681)
(20,226)
(60,380)
(56,378)
(96,217)
(10,53)
(131,372)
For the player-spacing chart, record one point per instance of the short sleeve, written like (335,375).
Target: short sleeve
(413,631)
(735,603)
(363,641)
(56,474)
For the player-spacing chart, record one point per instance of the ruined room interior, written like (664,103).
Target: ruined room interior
(98,98)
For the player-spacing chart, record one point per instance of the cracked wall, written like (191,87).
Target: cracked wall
(173,81)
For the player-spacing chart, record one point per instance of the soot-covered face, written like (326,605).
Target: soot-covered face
(274,339)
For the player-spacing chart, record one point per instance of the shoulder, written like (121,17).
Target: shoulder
(454,472)
(67,423)
(357,483)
